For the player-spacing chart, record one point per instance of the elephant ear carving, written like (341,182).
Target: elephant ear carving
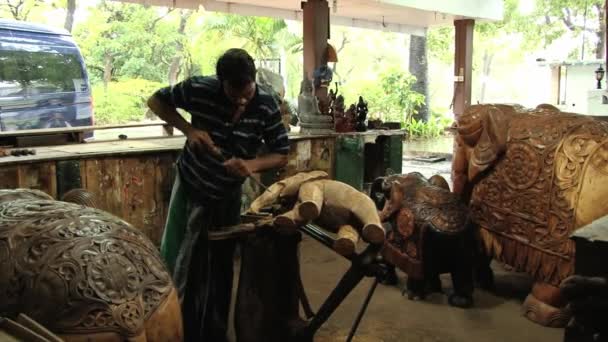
(492,141)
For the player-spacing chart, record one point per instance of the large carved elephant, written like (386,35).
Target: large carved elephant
(430,234)
(532,177)
(83,273)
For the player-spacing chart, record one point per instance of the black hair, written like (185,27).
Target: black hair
(236,66)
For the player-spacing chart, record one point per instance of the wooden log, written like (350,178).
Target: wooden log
(338,194)
(311,195)
(289,220)
(347,240)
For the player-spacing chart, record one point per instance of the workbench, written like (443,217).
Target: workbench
(133,178)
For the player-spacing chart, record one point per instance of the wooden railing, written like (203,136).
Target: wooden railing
(66,135)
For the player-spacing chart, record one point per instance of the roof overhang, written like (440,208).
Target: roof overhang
(406,16)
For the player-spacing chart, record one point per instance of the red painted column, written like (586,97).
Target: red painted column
(463,65)
(316,33)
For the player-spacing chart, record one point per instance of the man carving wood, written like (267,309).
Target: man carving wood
(231,118)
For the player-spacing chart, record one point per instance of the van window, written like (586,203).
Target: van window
(25,73)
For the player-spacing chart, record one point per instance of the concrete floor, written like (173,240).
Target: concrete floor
(392,317)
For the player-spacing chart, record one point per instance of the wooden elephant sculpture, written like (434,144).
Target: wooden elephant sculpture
(335,206)
(83,273)
(430,234)
(532,177)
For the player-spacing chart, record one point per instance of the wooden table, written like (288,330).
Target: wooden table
(133,178)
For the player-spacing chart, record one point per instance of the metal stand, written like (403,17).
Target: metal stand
(370,293)
(366,264)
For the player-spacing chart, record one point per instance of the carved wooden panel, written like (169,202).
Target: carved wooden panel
(137,189)
(40,176)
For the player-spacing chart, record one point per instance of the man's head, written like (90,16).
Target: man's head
(236,70)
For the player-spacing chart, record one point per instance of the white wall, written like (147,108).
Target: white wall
(580,79)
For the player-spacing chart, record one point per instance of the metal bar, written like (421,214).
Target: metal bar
(370,293)
(319,235)
(349,281)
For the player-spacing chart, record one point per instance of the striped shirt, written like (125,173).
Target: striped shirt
(260,123)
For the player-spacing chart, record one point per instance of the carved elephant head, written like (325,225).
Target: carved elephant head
(390,192)
(483,131)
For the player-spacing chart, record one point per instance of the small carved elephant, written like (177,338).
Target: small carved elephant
(83,273)
(430,234)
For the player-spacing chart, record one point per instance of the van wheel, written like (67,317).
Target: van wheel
(56,123)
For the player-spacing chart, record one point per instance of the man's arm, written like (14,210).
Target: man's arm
(197,139)
(269,161)
(169,114)
(275,138)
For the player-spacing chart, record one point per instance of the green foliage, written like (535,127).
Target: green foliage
(398,102)
(262,37)
(124,101)
(21,9)
(434,128)
(130,39)
(390,98)
(440,43)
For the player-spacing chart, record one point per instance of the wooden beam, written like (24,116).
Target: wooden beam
(556,81)
(316,33)
(463,65)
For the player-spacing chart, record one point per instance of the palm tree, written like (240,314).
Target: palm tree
(262,37)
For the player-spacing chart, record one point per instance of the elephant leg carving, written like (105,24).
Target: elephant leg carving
(462,281)
(415,288)
(390,279)
(484,276)
(546,306)
(433,283)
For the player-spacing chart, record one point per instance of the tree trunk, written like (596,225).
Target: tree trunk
(601,34)
(176,61)
(487,64)
(69,18)
(107,70)
(419,68)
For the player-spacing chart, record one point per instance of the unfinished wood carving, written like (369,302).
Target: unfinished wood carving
(82,272)
(336,206)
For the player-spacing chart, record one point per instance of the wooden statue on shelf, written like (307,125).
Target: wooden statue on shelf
(361,115)
(311,118)
(322,77)
(82,273)
(344,119)
(430,234)
(532,177)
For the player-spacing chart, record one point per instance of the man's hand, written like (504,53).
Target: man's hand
(200,140)
(239,167)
